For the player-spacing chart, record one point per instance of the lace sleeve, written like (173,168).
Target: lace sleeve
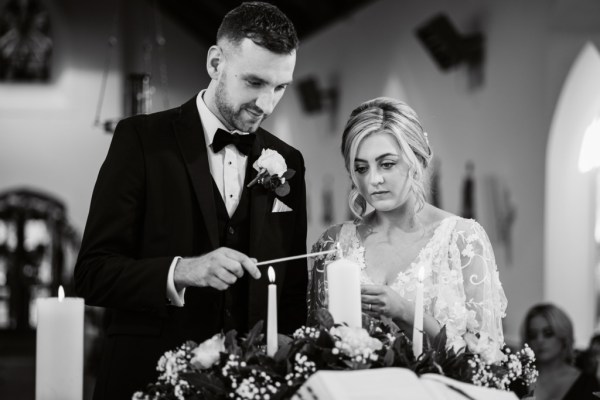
(317,282)
(485,300)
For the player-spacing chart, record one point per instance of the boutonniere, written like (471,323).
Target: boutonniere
(273,172)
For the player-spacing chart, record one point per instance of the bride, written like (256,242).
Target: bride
(387,153)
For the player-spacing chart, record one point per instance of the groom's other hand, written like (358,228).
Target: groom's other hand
(218,269)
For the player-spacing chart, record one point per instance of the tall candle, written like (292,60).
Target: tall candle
(59,348)
(418,321)
(343,286)
(272,315)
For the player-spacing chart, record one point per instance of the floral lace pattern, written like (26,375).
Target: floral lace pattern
(462,285)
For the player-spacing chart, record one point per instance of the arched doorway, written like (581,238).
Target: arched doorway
(570,255)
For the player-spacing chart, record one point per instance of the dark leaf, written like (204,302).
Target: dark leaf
(231,344)
(388,359)
(288,174)
(254,336)
(325,318)
(325,340)
(404,356)
(439,342)
(282,190)
(282,340)
(283,353)
(206,381)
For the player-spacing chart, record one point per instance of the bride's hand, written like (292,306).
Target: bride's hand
(381,300)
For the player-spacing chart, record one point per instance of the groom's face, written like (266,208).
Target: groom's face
(250,82)
(382,172)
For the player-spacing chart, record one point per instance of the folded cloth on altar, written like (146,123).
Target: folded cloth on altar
(280,206)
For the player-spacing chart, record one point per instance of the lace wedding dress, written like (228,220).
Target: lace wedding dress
(462,289)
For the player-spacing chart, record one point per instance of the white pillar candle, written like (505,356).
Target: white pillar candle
(272,315)
(418,321)
(343,286)
(59,348)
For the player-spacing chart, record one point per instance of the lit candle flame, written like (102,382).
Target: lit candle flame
(421,275)
(61,293)
(271,273)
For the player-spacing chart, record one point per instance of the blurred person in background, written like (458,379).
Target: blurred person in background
(549,332)
(589,360)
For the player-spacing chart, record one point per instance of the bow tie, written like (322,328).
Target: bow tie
(242,142)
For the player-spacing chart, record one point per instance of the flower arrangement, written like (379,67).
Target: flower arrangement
(228,367)
(273,172)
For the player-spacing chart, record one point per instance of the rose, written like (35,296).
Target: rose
(483,345)
(272,162)
(208,352)
(272,172)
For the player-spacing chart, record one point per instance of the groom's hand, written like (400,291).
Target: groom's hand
(218,269)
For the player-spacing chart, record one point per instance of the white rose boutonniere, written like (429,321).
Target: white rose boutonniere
(273,172)
(272,161)
(208,352)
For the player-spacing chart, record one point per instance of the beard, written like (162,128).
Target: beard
(245,118)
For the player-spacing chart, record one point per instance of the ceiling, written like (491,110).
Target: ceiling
(203,17)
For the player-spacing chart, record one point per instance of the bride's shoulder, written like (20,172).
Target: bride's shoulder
(469,226)
(464,226)
(435,216)
(468,230)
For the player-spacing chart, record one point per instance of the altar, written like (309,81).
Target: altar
(346,355)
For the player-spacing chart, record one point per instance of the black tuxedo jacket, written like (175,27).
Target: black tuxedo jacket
(154,200)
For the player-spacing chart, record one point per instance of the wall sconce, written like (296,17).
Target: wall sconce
(315,100)
(449,48)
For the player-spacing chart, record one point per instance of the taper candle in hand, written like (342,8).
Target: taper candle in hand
(272,315)
(418,321)
(59,348)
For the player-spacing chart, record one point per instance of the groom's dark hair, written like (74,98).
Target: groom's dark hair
(263,23)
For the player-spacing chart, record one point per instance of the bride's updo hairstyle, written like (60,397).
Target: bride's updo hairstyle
(384,114)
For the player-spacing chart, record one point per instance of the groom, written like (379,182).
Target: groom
(174,234)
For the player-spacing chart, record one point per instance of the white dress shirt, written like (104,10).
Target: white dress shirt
(228,169)
(228,166)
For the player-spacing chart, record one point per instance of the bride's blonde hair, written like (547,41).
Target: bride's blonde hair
(384,114)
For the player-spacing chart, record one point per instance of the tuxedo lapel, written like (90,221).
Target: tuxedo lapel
(190,138)
(259,197)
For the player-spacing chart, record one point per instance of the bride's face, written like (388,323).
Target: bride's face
(382,172)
